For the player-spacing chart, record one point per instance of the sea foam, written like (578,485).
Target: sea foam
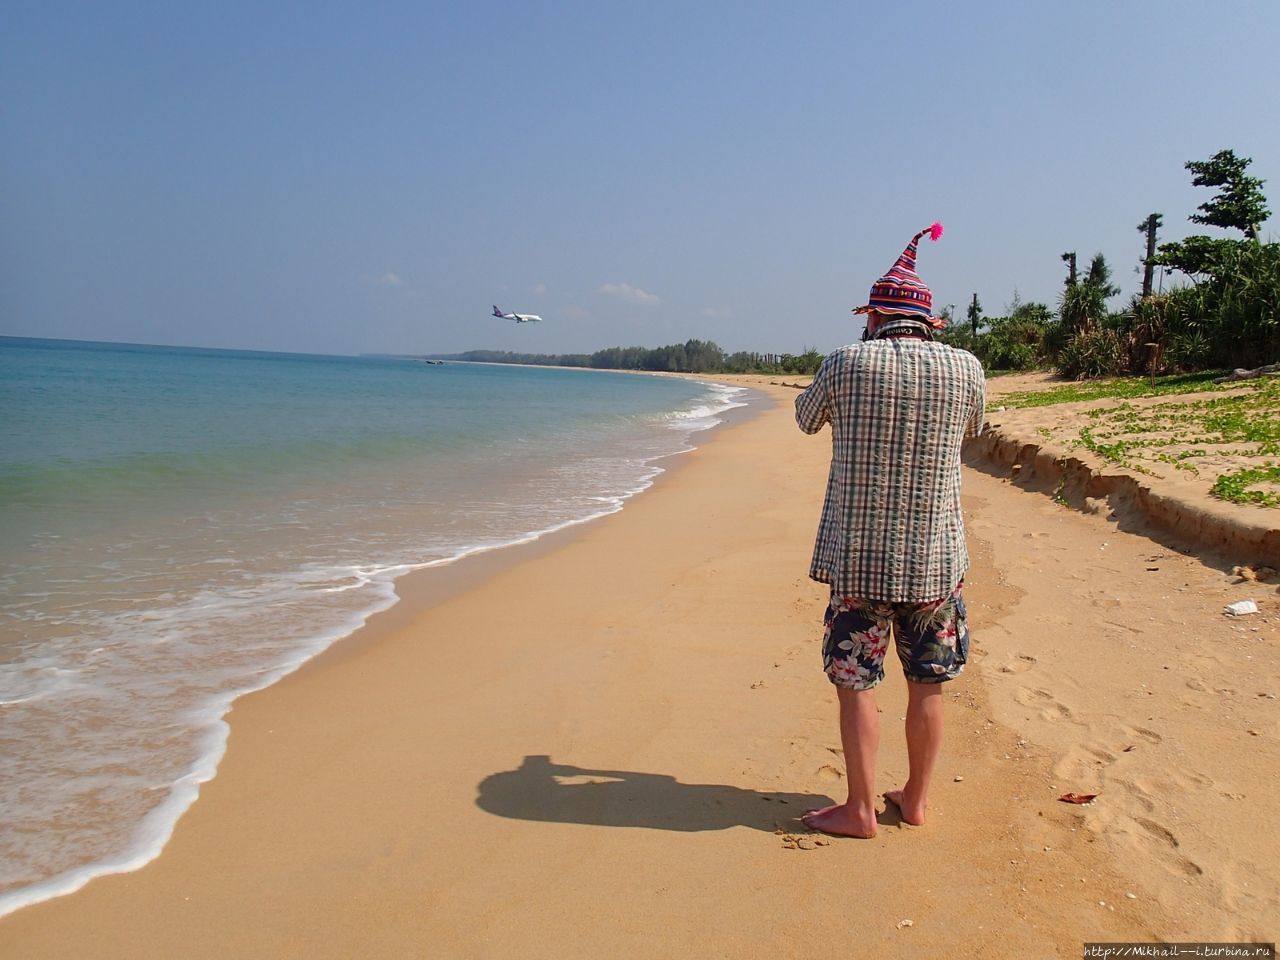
(128,639)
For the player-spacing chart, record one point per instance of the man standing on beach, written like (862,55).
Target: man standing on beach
(891,539)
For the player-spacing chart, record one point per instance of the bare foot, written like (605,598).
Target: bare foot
(843,821)
(819,812)
(912,813)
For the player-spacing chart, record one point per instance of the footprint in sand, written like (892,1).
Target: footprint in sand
(1188,868)
(1050,707)
(830,774)
(1019,664)
(1082,764)
(1148,831)
(1136,794)
(1157,831)
(1101,756)
(1190,779)
(1171,781)
(1162,834)
(1143,733)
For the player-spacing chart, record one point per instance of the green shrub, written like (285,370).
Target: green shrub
(1094,352)
(1188,350)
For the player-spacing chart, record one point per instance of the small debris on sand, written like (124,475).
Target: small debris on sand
(1079,798)
(1254,574)
(1241,608)
(791,841)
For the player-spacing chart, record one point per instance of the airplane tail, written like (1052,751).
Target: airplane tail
(496,311)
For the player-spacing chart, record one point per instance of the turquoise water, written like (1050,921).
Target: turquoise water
(182,526)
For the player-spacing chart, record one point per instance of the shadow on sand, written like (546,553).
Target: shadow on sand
(557,793)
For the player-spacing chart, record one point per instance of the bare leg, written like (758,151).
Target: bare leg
(924,740)
(860,736)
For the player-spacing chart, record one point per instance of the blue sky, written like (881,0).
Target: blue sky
(343,178)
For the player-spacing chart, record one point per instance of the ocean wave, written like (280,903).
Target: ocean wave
(126,679)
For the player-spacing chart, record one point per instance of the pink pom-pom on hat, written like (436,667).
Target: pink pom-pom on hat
(901,290)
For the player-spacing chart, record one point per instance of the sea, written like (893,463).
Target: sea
(181,526)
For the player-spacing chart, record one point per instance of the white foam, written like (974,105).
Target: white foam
(706,414)
(181,629)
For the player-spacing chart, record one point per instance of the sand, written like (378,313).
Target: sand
(594,745)
(1147,494)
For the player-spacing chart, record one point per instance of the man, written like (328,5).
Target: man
(891,539)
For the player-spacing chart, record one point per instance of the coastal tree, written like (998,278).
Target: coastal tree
(1069,258)
(975,315)
(1230,316)
(1099,276)
(1149,226)
(1017,341)
(804,363)
(1083,345)
(1239,205)
(1084,303)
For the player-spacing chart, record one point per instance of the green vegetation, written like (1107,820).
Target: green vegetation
(1227,316)
(1192,434)
(693,356)
(1235,487)
(1017,341)
(1121,387)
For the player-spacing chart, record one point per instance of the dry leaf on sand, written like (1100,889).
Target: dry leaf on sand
(1078,797)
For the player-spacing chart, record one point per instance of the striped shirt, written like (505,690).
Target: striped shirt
(899,410)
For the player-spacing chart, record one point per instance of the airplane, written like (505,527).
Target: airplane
(517,317)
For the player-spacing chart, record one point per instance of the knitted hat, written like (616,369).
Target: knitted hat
(901,291)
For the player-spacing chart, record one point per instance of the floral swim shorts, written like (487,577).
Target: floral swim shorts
(932,639)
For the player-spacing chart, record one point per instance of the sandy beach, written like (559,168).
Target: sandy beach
(597,744)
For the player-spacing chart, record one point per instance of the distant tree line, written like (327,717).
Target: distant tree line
(692,356)
(1226,315)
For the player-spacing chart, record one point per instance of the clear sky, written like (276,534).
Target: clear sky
(346,178)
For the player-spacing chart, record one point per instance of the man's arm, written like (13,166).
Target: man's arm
(813,406)
(979,415)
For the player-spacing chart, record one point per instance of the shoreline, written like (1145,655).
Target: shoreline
(603,738)
(426,583)
(433,584)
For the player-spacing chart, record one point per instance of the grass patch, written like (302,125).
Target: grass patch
(1123,387)
(1114,452)
(1203,435)
(1237,487)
